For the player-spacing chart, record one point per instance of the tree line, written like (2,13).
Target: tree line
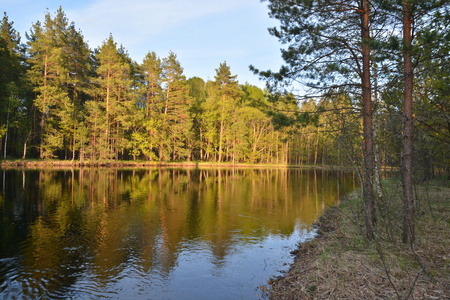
(60,100)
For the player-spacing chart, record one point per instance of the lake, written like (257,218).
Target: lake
(156,233)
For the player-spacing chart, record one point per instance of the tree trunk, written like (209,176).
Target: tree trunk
(7,128)
(277,148)
(287,152)
(317,147)
(301,144)
(307,149)
(201,145)
(82,153)
(367,121)
(41,150)
(166,108)
(221,128)
(74,144)
(408,204)
(94,139)
(234,150)
(375,138)
(25,149)
(107,116)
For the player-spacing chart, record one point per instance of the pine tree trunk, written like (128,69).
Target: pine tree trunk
(7,128)
(277,149)
(287,152)
(317,147)
(201,145)
(234,150)
(408,203)
(107,117)
(307,150)
(148,100)
(94,142)
(221,129)
(166,107)
(301,150)
(324,152)
(41,150)
(74,139)
(367,122)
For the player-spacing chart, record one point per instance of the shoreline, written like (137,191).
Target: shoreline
(32,164)
(339,263)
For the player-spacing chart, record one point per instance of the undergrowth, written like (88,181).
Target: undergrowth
(342,264)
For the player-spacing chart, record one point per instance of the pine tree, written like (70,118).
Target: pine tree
(329,47)
(418,16)
(148,121)
(78,80)
(59,60)
(113,77)
(226,92)
(176,119)
(11,71)
(46,73)
(198,93)
(152,71)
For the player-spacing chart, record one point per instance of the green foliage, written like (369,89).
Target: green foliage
(59,67)
(197,89)
(323,44)
(12,85)
(176,121)
(280,120)
(2,130)
(152,72)
(70,102)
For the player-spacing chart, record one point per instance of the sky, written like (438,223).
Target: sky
(202,33)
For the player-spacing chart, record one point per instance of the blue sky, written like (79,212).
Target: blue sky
(203,33)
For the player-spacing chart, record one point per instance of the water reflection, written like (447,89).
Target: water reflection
(157,233)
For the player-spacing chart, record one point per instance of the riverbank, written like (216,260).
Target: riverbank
(32,164)
(341,264)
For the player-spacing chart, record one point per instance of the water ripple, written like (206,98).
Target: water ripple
(124,234)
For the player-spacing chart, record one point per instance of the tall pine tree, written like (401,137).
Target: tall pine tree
(176,119)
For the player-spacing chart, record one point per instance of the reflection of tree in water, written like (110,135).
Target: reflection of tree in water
(102,223)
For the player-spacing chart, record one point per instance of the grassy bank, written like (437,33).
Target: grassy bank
(341,264)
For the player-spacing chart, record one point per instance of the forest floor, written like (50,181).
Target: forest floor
(341,264)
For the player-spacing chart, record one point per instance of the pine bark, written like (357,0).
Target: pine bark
(367,122)
(408,203)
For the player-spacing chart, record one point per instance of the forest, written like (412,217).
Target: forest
(61,100)
(375,98)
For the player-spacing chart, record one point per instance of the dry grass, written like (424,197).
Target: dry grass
(341,264)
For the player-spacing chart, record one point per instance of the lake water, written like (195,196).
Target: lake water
(155,233)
